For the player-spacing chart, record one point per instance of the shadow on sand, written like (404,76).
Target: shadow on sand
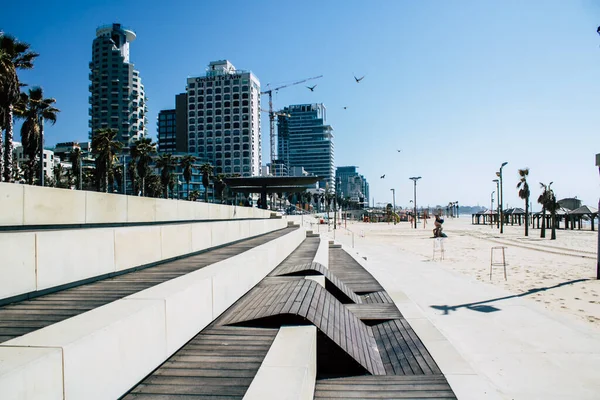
(482,306)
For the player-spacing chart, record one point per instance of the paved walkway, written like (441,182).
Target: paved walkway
(488,343)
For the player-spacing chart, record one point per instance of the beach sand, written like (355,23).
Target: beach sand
(558,274)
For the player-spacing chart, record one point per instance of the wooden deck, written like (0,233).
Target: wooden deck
(308,301)
(375,311)
(342,265)
(219,363)
(376,297)
(385,387)
(305,253)
(338,289)
(20,318)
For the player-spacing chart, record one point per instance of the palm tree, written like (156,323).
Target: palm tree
(105,148)
(543,200)
(165,164)
(206,170)
(142,151)
(34,109)
(117,174)
(14,55)
(154,187)
(187,165)
(75,159)
(220,186)
(524,194)
(132,172)
(548,201)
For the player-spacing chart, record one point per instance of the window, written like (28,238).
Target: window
(209,91)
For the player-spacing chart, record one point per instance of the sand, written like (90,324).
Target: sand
(558,274)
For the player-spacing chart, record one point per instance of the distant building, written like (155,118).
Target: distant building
(21,158)
(64,149)
(570,203)
(305,140)
(117,96)
(172,127)
(349,183)
(224,119)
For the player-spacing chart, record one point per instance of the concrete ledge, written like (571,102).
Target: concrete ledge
(104,351)
(33,205)
(322,255)
(108,350)
(290,368)
(19,364)
(34,261)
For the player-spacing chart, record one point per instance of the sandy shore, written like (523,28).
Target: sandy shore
(559,274)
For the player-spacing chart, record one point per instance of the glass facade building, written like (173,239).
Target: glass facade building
(305,140)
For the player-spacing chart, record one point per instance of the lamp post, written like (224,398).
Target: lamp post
(501,200)
(394,203)
(497,191)
(415,179)
(492,208)
(457,212)
(598,249)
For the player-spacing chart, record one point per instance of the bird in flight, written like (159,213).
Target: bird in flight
(359,79)
(382,176)
(345,108)
(399,151)
(311,88)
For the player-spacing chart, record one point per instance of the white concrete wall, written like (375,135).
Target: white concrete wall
(34,205)
(106,351)
(289,369)
(31,261)
(322,255)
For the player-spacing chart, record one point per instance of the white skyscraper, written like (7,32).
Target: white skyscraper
(224,119)
(117,97)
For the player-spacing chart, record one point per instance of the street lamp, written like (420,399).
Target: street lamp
(497,191)
(394,203)
(415,179)
(598,249)
(492,208)
(501,199)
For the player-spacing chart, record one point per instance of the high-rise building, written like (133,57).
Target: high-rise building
(305,140)
(223,119)
(349,183)
(172,127)
(117,97)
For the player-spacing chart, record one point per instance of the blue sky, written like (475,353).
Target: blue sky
(459,87)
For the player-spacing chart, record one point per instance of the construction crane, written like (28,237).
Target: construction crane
(272,113)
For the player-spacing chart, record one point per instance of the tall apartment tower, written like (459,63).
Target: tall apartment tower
(305,140)
(117,97)
(224,119)
(172,127)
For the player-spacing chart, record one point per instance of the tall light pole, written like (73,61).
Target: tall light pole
(492,208)
(394,203)
(501,200)
(415,179)
(598,226)
(497,191)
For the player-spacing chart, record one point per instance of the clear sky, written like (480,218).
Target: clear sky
(458,86)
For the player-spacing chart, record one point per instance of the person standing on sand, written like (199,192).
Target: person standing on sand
(437,231)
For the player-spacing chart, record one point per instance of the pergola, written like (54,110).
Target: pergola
(270,184)
(514,214)
(489,217)
(578,214)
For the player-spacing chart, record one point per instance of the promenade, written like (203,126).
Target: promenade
(491,340)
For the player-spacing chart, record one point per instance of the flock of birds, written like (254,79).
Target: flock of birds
(358,80)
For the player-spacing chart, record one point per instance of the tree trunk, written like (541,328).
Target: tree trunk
(188,190)
(553,235)
(543,231)
(42,174)
(7,146)
(527,217)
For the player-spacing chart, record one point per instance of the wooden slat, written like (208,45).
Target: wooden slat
(342,265)
(384,387)
(374,311)
(56,307)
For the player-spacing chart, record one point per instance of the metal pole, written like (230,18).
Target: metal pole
(124,174)
(501,200)
(80,169)
(394,203)
(492,208)
(415,179)
(42,152)
(598,226)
